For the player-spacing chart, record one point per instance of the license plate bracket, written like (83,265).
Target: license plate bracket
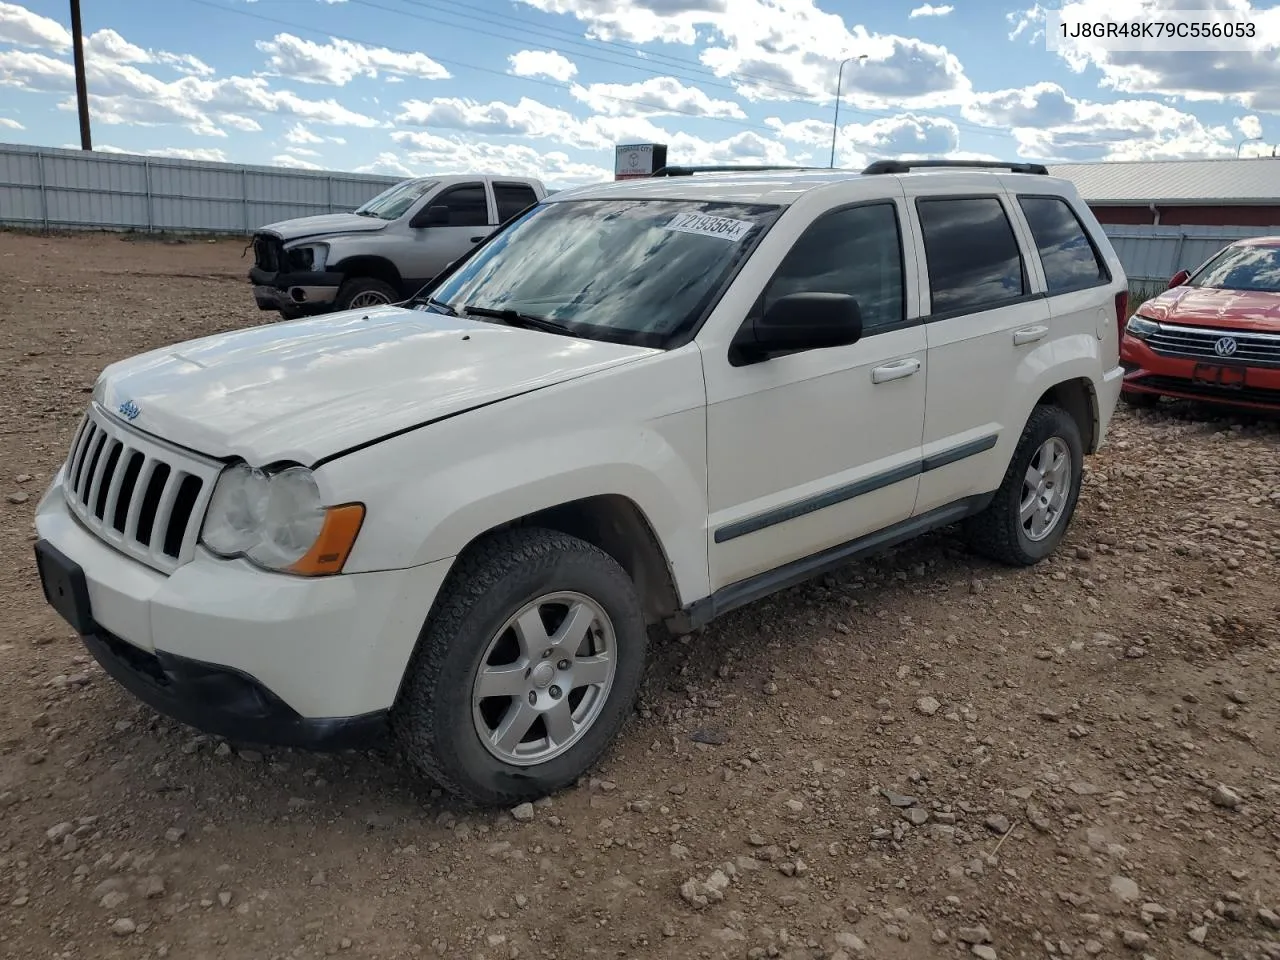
(65,587)
(1216,375)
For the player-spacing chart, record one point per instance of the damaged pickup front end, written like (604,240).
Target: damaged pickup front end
(292,280)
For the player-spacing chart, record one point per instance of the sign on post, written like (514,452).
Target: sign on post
(634,161)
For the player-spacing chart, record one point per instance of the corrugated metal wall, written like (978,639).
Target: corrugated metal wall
(1157,253)
(55,188)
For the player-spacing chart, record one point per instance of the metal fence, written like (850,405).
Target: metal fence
(51,188)
(1152,255)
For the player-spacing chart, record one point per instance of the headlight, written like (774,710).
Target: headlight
(308,256)
(1140,327)
(278,521)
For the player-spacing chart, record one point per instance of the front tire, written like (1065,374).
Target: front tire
(526,670)
(1030,513)
(358,293)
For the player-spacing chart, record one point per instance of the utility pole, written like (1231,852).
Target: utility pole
(82,90)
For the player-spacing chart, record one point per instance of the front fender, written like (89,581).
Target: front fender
(637,431)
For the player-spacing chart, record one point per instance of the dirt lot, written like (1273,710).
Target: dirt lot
(924,756)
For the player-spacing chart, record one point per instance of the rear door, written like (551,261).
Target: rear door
(985,311)
(512,199)
(434,247)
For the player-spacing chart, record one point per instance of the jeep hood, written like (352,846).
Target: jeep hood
(306,389)
(324,225)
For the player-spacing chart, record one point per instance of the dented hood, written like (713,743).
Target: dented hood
(324,225)
(307,389)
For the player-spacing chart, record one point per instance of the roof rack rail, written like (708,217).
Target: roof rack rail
(906,166)
(676,171)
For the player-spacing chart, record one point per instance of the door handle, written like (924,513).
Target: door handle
(895,371)
(476,239)
(1029,334)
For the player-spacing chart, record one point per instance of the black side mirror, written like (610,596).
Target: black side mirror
(799,321)
(437,216)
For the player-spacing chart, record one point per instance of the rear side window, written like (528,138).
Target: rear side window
(972,253)
(1069,258)
(512,198)
(857,251)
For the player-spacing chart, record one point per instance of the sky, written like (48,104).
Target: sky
(548,88)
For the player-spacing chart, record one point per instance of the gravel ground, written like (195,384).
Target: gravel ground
(921,756)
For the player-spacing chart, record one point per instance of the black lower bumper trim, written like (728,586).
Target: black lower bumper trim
(225,702)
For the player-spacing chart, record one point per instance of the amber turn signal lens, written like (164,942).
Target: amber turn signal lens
(338,535)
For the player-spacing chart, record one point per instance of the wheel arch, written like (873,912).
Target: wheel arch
(369,265)
(1079,398)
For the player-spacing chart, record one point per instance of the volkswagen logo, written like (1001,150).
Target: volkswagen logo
(1225,347)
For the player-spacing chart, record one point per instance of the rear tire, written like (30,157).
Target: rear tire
(481,671)
(1030,513)
(358,293)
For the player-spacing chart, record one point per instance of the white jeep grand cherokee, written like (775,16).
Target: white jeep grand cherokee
(638,404)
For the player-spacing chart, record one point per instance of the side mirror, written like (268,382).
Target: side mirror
(800,321)
(1179,278)
(437,216)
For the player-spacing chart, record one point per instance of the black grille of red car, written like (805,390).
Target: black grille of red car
(1197,343)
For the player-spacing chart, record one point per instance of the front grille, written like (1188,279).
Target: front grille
(1197,343)
(143,496)
(267,253)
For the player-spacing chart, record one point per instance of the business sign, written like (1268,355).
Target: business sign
(635,161)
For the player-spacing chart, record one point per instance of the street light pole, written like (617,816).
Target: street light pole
(1240,145)
(835,123)
(82,93)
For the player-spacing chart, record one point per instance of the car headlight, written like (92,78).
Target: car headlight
(1140,327)
(308,256)
(278,521)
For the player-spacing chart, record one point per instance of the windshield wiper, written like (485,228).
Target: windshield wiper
(438,304)
(515,318)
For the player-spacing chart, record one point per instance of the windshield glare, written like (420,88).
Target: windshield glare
(392,203)
(1253,268)
(633,271)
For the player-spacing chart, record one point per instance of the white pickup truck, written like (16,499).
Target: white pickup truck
(387,249)
(637,404)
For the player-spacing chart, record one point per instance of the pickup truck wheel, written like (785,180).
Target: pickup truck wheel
(526,670)
(359,292)
(1030,513)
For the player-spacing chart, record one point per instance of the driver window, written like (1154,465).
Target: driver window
(857,251)
(467,205)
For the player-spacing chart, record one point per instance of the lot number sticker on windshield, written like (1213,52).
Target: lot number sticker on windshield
(725,228)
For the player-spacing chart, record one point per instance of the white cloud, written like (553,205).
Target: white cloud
(528,118)
(9,124)
(1049,124)
(26,28)
(177,153)
(542,63)
(929,10)
(339,62)
(1250,77)
(300,134)
(1250,127)
(237,122)
(783,50)
(905,136)
(656,96)
(426,153)
(285,160)
(108,45)
(1030,21)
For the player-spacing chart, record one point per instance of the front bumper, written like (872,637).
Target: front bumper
(1228,383)
(234,650)
(294,291)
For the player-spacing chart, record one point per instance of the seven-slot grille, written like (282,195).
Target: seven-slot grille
(143,497)
(1197,343)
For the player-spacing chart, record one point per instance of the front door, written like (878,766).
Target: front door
(810,450)
(435,246)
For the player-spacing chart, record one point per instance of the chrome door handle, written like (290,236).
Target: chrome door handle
(895,371)
(1029,335)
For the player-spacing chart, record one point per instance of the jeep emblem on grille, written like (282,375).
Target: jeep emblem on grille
(129,410)
(1225,347)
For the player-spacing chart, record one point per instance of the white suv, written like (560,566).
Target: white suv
(638,404)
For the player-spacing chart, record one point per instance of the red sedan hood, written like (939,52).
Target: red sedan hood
(1217,309)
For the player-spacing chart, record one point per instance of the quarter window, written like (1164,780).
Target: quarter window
(1069,258)
(857,251)
(467,205)
(972,253)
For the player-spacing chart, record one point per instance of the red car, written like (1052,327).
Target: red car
(1214,335)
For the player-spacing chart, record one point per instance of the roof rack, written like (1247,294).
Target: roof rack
(906,166)
(690,171)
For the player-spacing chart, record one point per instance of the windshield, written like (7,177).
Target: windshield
(631,271)
(392,203)
(1246,267)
